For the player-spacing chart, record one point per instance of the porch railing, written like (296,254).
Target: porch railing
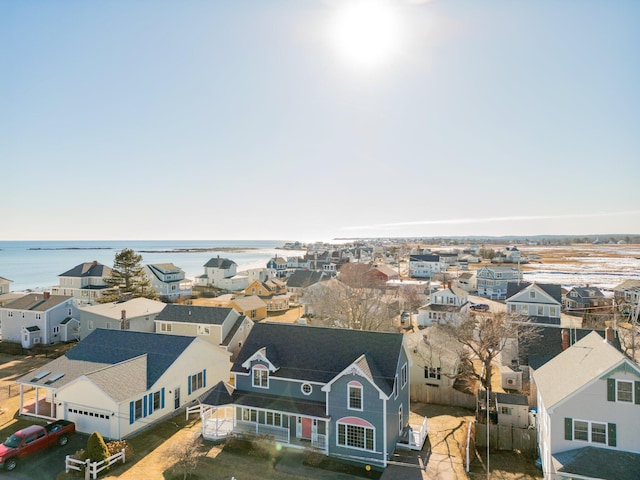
(280,434)
(319,441)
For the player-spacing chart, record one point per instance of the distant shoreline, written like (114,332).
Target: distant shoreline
(173,250)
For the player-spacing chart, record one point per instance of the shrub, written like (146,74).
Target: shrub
(96,448)
(116,446)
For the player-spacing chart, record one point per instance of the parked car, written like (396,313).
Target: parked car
(479,307)
(33,439)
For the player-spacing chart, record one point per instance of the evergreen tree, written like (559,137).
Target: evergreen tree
(97,450)
(128,279)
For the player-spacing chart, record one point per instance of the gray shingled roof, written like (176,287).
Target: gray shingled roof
(88,269)
(593,462)
(288,346)
(220,394)
(194,314)
(304,278)
(115,346)
(424,258)
(223,263)
(37,302)
(555,291)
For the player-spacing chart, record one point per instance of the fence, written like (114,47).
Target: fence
(442,396)
(506,437)
(92,469)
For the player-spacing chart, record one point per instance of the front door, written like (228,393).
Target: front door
(306,428)
(176,398)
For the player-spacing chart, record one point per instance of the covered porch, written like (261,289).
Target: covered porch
(414,435)
(37,402)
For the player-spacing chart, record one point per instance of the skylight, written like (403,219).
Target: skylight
(56,377)
(40,376)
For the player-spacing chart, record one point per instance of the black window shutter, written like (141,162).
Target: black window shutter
(611,427)
(611,389)
(637,393)
(568,428)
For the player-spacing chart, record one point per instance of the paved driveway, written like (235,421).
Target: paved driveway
(48,464)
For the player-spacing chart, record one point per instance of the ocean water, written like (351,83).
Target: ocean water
(35,265)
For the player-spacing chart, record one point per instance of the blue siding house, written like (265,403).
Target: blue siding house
(342,392)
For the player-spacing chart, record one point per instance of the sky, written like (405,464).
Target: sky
(318,119)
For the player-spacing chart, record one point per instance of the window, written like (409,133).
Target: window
(356,436)
(598,433)
(204,330)
(165,327)
(432,372)
(553,311)
(273,418)
(90,324)
(249,415)
(525,310)
(56,330)
(107,325)
(260,376)
(355,396)
(138,410)
(156,401)
(593,432)
(512,308)
(403,373)
(38,316)
(395,387)
(400,420)
(196,381)
(532,294)
(624,391)
(506,410)
(306,388)
(540,310)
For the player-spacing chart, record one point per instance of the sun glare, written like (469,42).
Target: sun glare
(366,33)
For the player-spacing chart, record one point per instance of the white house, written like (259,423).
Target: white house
(513,409)
(445,306)
(168,281)
(588,400)
(425,266)
(435,357)
(137,314)
(35,319)
(5,285)
(467,281)
(117,382)
(537,302)
(492,281)
(215,270)
(85,282)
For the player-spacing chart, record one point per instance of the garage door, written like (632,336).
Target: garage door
(89,421)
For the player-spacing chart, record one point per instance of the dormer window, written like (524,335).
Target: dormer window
(532,294)
(260,376)
(355,396)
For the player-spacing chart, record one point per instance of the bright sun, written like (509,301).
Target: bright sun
(366,33)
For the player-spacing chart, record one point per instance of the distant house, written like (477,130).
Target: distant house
(301,279)
(86,282)
(251,306)
(537,302)
(467,281)
(273,292)
(5,285)
(118,382)
(215,270)
(350,399)
(383,272)
(445,307)
(220,326)
(492,281)
(137,314)
(279,264)
(435,357)
(588,400)
(625,295)
(35,319)
(582,298)
(425,266)
(168,281)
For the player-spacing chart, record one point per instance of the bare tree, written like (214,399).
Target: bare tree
(412,296)
(484,337)
(356,299)
(186,454)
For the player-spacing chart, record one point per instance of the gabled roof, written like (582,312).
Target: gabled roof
(223,263)
(575,367)
(593,462)
(165,267)
(239,321)
(305,278)
(194,314)
(554,291)
(37,302)
(249,302)
(587,292)
(5,280)
(88,269)
(114,346)
(333,350)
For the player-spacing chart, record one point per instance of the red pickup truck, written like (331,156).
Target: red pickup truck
(32,439)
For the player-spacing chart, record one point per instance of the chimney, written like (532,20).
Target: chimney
(47,295)
(95,263)
(565,339)
(610,335)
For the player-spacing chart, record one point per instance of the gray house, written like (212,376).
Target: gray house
(344,393)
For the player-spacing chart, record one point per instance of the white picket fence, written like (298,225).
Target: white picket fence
(92,469)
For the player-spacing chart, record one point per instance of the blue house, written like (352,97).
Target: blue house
(344,393)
